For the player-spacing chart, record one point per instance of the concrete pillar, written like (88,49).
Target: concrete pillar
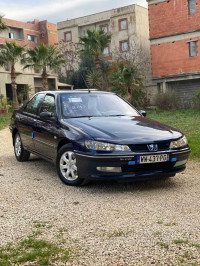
(163,86)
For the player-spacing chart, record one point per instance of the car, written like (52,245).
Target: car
(96,135)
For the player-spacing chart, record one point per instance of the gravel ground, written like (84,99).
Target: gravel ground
(104,223)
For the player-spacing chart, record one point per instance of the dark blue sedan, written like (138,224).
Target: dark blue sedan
(93,135)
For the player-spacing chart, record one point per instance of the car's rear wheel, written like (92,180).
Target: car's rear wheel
(67,167)
(21,154)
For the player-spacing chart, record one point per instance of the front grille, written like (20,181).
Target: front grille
(147,167)
(163,146)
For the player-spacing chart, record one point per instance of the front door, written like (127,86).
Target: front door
(46,130)
(26,121)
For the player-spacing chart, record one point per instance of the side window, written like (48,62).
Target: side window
(33,105)
(48,105)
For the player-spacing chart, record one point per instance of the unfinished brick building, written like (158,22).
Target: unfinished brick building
(30,34)
(175,50)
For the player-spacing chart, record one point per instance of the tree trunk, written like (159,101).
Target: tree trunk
(99,70)
(45,79)
(15,103)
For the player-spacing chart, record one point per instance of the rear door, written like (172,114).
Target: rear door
(27,119)
(46,130)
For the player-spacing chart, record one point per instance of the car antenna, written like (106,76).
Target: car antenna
(86,84)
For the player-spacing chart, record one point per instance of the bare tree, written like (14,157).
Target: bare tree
(137,57)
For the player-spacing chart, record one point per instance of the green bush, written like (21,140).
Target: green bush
(197,100)
(168,101)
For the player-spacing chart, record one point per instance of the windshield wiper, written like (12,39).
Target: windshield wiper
(89,116)
(114,115)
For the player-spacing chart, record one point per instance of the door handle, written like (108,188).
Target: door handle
(35,122)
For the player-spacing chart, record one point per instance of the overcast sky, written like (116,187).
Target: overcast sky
(58,10)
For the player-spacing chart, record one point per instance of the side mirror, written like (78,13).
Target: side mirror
(143,113)
(47,115)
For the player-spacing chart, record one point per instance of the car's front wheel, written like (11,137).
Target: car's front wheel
(67,167)
(21,154)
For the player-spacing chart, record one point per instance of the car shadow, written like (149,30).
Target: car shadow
(147,185)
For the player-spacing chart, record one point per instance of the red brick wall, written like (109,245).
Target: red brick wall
(44,31)
(173,58)
(53,35)
(171,17)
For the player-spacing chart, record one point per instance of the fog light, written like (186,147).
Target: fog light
(180,163)
(109,169)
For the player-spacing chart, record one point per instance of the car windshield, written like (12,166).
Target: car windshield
(91,104)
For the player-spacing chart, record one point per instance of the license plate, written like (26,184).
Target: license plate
(153,158)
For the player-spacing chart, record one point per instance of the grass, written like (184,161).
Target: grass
(39,251)
(4,120)
(187,121)
(34,251)
(38,224)
(119,233)
(186,242)
(163,245)
(157,233)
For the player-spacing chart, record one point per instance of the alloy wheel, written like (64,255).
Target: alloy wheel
(18,146)
(68,166)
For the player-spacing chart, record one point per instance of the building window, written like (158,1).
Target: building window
(11,35)
(104,28)
(193,49)
(68,36)
(32,38)
(8,67)
(69,56)
(106,52)
(123,24)
(191,7)
(124,46)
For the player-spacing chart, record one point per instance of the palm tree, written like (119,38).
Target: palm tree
(128,80)
(44,57)
(93,45)
(11,53)
(3,26)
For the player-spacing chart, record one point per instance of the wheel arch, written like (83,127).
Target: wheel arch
(62,143)
(14,132)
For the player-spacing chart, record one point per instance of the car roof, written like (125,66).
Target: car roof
(76,91)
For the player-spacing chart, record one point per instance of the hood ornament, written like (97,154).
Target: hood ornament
(153,147)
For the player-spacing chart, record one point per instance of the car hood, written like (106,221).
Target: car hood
(124,129)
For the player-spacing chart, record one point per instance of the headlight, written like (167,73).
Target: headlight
(178,143)
(102,146)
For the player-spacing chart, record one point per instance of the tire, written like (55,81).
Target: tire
(21,154)
(66,167)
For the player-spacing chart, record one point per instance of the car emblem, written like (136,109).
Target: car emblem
(153,147)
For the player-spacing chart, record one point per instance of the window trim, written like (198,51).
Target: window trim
(120,46)
(9,35)
(65,36)
(190,54)
(37,114)
(104,26)
(189,8)
(109,54)
(35,38)
(120,20)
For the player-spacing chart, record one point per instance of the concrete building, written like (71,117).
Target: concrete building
(30,34)
(128,26)
(175,49)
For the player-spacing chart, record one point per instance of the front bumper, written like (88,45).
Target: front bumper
(89,164)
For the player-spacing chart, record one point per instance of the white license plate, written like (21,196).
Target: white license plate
(153,158)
